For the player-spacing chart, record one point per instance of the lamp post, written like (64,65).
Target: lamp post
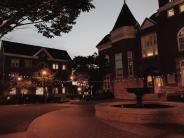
(19,79)
(72,79)
(44,73)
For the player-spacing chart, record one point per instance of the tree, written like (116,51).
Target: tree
(89,69)
(50,17)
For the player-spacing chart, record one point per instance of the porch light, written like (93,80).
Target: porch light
(19,78)
(44,72)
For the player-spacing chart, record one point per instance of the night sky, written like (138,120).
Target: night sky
(90,28)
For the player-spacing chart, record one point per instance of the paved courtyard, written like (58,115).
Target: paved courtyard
(16,118)
(79,121)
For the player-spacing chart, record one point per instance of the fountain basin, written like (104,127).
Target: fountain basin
(173,113)
(144,106)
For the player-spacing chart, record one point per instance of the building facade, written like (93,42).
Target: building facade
(34,70)
(147,55)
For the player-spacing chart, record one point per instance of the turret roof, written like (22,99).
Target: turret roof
(125,18)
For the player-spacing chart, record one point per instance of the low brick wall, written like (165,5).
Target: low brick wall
(143,116)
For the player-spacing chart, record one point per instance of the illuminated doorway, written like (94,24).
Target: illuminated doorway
(158,84)
(150,82)
(155,82)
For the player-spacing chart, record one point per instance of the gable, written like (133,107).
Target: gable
(43,53)
(147,24)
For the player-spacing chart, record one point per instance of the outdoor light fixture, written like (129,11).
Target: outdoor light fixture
(79,89)
(44,72)
(19,78)
(71,77)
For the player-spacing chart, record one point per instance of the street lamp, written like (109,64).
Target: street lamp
(19,78)
(44,73)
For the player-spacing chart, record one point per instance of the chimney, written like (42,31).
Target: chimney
(163,2)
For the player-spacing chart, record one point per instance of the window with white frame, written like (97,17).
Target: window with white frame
(149,45)
(170,12)
(63,67)
(181,7)
(15,63)
(119,66)
(55,66)
(130,64)
(181,39)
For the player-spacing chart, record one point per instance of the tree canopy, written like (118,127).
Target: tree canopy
(89,69)
(50,17)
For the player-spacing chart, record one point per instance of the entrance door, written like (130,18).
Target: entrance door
(150,82)
(158,84)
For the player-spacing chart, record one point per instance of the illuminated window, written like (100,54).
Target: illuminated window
(149,45)
(170,12)
(182,8)
(55,66)
(63,67)
(63,90)
(181,39)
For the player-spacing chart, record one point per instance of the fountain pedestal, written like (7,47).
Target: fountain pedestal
(139,92)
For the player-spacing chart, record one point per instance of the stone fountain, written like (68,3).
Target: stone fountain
(140,92)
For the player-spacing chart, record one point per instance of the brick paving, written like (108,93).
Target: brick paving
(78,121)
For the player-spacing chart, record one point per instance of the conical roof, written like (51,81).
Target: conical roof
(125,18)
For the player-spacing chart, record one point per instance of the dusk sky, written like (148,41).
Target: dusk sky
(90,28)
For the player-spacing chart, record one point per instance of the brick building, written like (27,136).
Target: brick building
(150,54)
(35,70)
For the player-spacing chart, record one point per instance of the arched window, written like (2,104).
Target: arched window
(181,39)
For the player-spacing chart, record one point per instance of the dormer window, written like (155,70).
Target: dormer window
(170,12)
(149,45)
(181,8)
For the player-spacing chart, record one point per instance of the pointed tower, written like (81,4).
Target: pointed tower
(125,18)
(125,49)
(125,26)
